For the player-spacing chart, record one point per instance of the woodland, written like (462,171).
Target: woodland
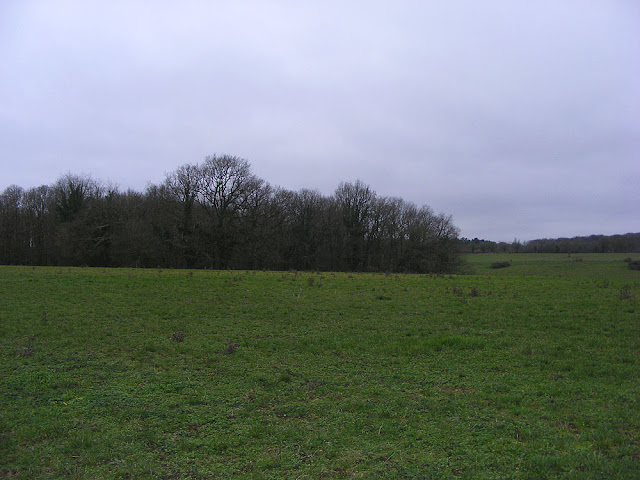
(219,215)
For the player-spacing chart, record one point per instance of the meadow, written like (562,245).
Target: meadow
(530,371)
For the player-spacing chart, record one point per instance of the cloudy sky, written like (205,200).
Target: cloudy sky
(520,118)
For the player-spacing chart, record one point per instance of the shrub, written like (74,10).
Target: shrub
(627,260)
(634,265)
(500,264)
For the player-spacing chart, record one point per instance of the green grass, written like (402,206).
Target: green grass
(589,265)
(300,375)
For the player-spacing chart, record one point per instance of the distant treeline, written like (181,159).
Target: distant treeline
(218,214)
(627,243)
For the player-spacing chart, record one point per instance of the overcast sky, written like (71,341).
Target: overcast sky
(520,118)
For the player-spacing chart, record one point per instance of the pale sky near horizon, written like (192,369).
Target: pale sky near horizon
(521,119)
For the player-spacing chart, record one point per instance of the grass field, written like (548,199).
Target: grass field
(530,371)
(586,265)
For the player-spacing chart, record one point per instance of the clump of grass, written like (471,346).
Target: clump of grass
(230,348)
(527,350)
(455,342)
(578,259)
(625,292)
(178,336)
(313,384)
(495,265)
(457,291)
(24,352)
(628,260)
(474,292)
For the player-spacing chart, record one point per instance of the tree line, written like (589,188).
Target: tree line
(623,243)
(219,215)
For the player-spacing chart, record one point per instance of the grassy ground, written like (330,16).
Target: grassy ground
(177,374)
(587,265)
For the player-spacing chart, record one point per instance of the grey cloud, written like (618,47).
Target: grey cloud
(519,118)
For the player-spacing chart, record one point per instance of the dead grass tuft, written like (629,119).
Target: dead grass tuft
(178,336)
(230,348)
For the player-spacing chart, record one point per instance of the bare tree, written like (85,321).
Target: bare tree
(355,202)
(304,229)
(224,188)
(183,186)
(12,238)
(37,208)
(81,236)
